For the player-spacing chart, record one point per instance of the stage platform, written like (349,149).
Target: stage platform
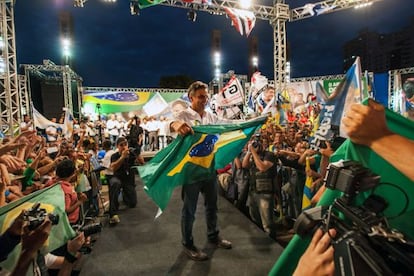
(140,245)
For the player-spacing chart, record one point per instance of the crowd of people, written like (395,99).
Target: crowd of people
(265,181)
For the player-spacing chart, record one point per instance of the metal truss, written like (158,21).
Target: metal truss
(24,95)
(110,90)
(53,72)
(10,115)
(329,5)
(318,78)
(277,15)
(217,7)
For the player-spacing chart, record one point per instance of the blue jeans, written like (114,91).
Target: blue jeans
(190,194)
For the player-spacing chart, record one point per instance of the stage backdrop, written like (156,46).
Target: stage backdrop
(118,100)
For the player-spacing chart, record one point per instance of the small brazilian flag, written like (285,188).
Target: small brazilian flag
(195,157)
(307,189)
(51,199)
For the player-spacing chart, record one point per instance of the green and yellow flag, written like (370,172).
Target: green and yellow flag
(148,3)
(307,189)
(52,199)
(395,188)
(194,158)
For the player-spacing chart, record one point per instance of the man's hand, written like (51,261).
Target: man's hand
(182,128)
(366,124)
(12,163)
(74,245)
(82,197)
(16,228)
(318,258)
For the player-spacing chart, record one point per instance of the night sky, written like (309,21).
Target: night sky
(114,48)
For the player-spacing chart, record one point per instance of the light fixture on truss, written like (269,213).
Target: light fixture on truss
(192,15)
(79,3)
(133,5)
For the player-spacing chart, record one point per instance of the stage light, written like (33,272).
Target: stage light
(255,61)
(245,4)
(192,15)
(66,49)
(364,5)
(134,8)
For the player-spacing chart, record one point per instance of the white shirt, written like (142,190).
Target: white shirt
(106,162)
(192,118)
(113,127)
(24,125)
(51,133)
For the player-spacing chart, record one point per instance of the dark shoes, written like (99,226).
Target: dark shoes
(195,254)
(221,243)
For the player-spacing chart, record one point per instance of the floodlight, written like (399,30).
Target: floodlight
(255,61)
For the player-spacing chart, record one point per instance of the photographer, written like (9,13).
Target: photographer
(262,166)
(124,177)
(135,137)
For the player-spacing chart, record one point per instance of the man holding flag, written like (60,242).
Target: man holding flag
(192,116)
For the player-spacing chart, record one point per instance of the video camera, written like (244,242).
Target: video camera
(364,243)
(35,216)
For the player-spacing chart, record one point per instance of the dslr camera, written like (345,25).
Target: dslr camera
(35,216)
(364,243)
(89,229)
(256,141)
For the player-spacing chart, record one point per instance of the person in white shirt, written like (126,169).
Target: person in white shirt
(112,125)
(51,131)
(163,126)
(26,125)
(197,115)
(153,129)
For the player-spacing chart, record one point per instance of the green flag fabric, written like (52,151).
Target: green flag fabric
(194,157)
(51,199)
(395,188)
(148,3)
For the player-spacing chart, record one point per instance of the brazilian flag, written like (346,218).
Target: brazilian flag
(195,157)
(51,199)
(395,188)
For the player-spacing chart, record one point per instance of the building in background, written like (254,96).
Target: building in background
(382,52)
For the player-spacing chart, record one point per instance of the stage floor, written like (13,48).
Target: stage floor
(140,245)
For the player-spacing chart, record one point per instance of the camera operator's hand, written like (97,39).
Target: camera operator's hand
(125,153)
(328,151)
(82,197)
(33,240)
(74,245)
(16,228)
(251,148)
(318,258)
